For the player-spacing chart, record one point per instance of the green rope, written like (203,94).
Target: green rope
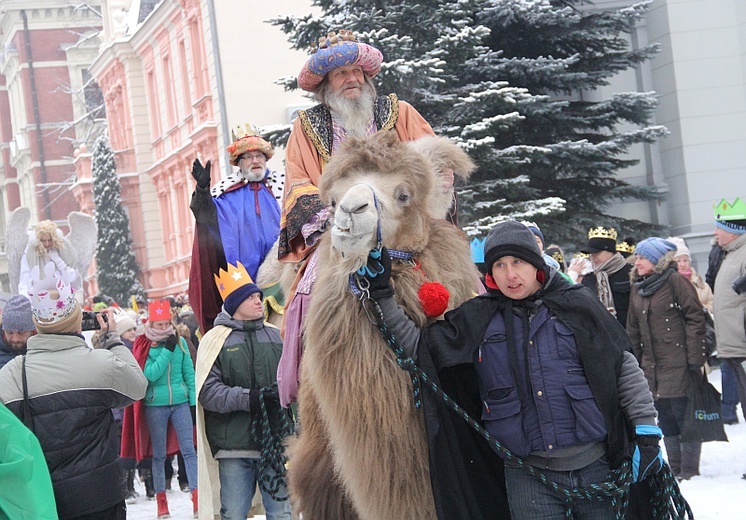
(271,474)
(668,502)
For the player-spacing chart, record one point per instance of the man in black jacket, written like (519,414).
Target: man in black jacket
(553,373)
(64,392)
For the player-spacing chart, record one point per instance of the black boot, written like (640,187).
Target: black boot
(690,454)
(131,495)
(673,452)
(147,478)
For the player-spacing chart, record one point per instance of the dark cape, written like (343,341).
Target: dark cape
(466,473)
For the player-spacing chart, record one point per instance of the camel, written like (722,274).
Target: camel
(362,451)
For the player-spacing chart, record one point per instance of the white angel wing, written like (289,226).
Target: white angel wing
(82,238)
(16,240)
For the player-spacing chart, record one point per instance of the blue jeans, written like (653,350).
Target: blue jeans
(237,486)
(181,419)
(730,392)
(529,499)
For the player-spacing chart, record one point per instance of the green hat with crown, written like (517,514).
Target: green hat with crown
(731,217)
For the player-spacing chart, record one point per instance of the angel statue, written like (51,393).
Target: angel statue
(46,243)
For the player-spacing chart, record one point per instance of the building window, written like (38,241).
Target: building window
(168,86)
(94,97)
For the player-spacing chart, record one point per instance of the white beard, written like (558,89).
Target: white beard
(355,115)
(252,176)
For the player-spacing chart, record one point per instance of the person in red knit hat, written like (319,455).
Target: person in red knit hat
(168,406)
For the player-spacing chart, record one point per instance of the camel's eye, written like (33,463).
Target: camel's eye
(333,203)
(403,197)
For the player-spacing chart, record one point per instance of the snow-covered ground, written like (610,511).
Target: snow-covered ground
(715,495)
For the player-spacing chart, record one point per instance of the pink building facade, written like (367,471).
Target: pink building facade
(159,106)
(176,76)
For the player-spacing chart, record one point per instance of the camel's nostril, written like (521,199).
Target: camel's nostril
(361,209)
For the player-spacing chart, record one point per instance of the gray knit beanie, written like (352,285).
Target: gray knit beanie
(511,238)
(17,315)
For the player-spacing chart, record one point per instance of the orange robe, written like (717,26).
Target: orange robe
(307,154)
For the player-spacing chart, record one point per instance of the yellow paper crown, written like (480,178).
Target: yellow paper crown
(624,247)
(724,210)
(230,280)
(602,232)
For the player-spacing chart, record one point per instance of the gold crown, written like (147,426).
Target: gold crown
(230,280)
(245,130)
(334,38)
(624,247)
(581,255)
(602,232)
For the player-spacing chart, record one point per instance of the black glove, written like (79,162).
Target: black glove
(739,284)
(201,174)
(270,395)
(171,342)
(193,411)
(647,459)
(271,398)
(377,272)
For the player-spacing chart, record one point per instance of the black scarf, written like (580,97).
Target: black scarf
(649,285)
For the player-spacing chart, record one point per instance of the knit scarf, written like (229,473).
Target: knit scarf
(650,284)
(157,336)
(610,266)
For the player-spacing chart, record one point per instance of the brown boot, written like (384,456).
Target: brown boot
(194,502)
(690,454)
(162,502)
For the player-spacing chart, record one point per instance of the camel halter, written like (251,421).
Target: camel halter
(358,284)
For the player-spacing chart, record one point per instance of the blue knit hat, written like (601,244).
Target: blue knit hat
(238,296)
(17,315)
(654,248)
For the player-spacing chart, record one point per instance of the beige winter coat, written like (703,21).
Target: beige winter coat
(730,308)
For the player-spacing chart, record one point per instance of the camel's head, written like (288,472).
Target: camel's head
(380,189)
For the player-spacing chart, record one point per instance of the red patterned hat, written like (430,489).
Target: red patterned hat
(337,50)
(247,139)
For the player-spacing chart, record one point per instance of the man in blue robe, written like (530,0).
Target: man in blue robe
(238,220)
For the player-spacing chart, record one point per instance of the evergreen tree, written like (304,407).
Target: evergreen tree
(515,82)
(116,266)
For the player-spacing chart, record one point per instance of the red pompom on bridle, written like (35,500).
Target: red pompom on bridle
(433,298)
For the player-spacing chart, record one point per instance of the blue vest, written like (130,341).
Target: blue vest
(550,405)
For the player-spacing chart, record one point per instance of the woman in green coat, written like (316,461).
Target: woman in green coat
(170,396)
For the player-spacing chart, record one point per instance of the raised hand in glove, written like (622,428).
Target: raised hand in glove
(647,459)
(171,342)
(201,174)
(377,272)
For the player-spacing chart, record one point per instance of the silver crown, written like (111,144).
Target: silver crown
(45,307)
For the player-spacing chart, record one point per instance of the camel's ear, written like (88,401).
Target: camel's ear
(444,154)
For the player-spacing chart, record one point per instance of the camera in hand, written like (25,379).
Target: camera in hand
(90,322)
(739,284)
